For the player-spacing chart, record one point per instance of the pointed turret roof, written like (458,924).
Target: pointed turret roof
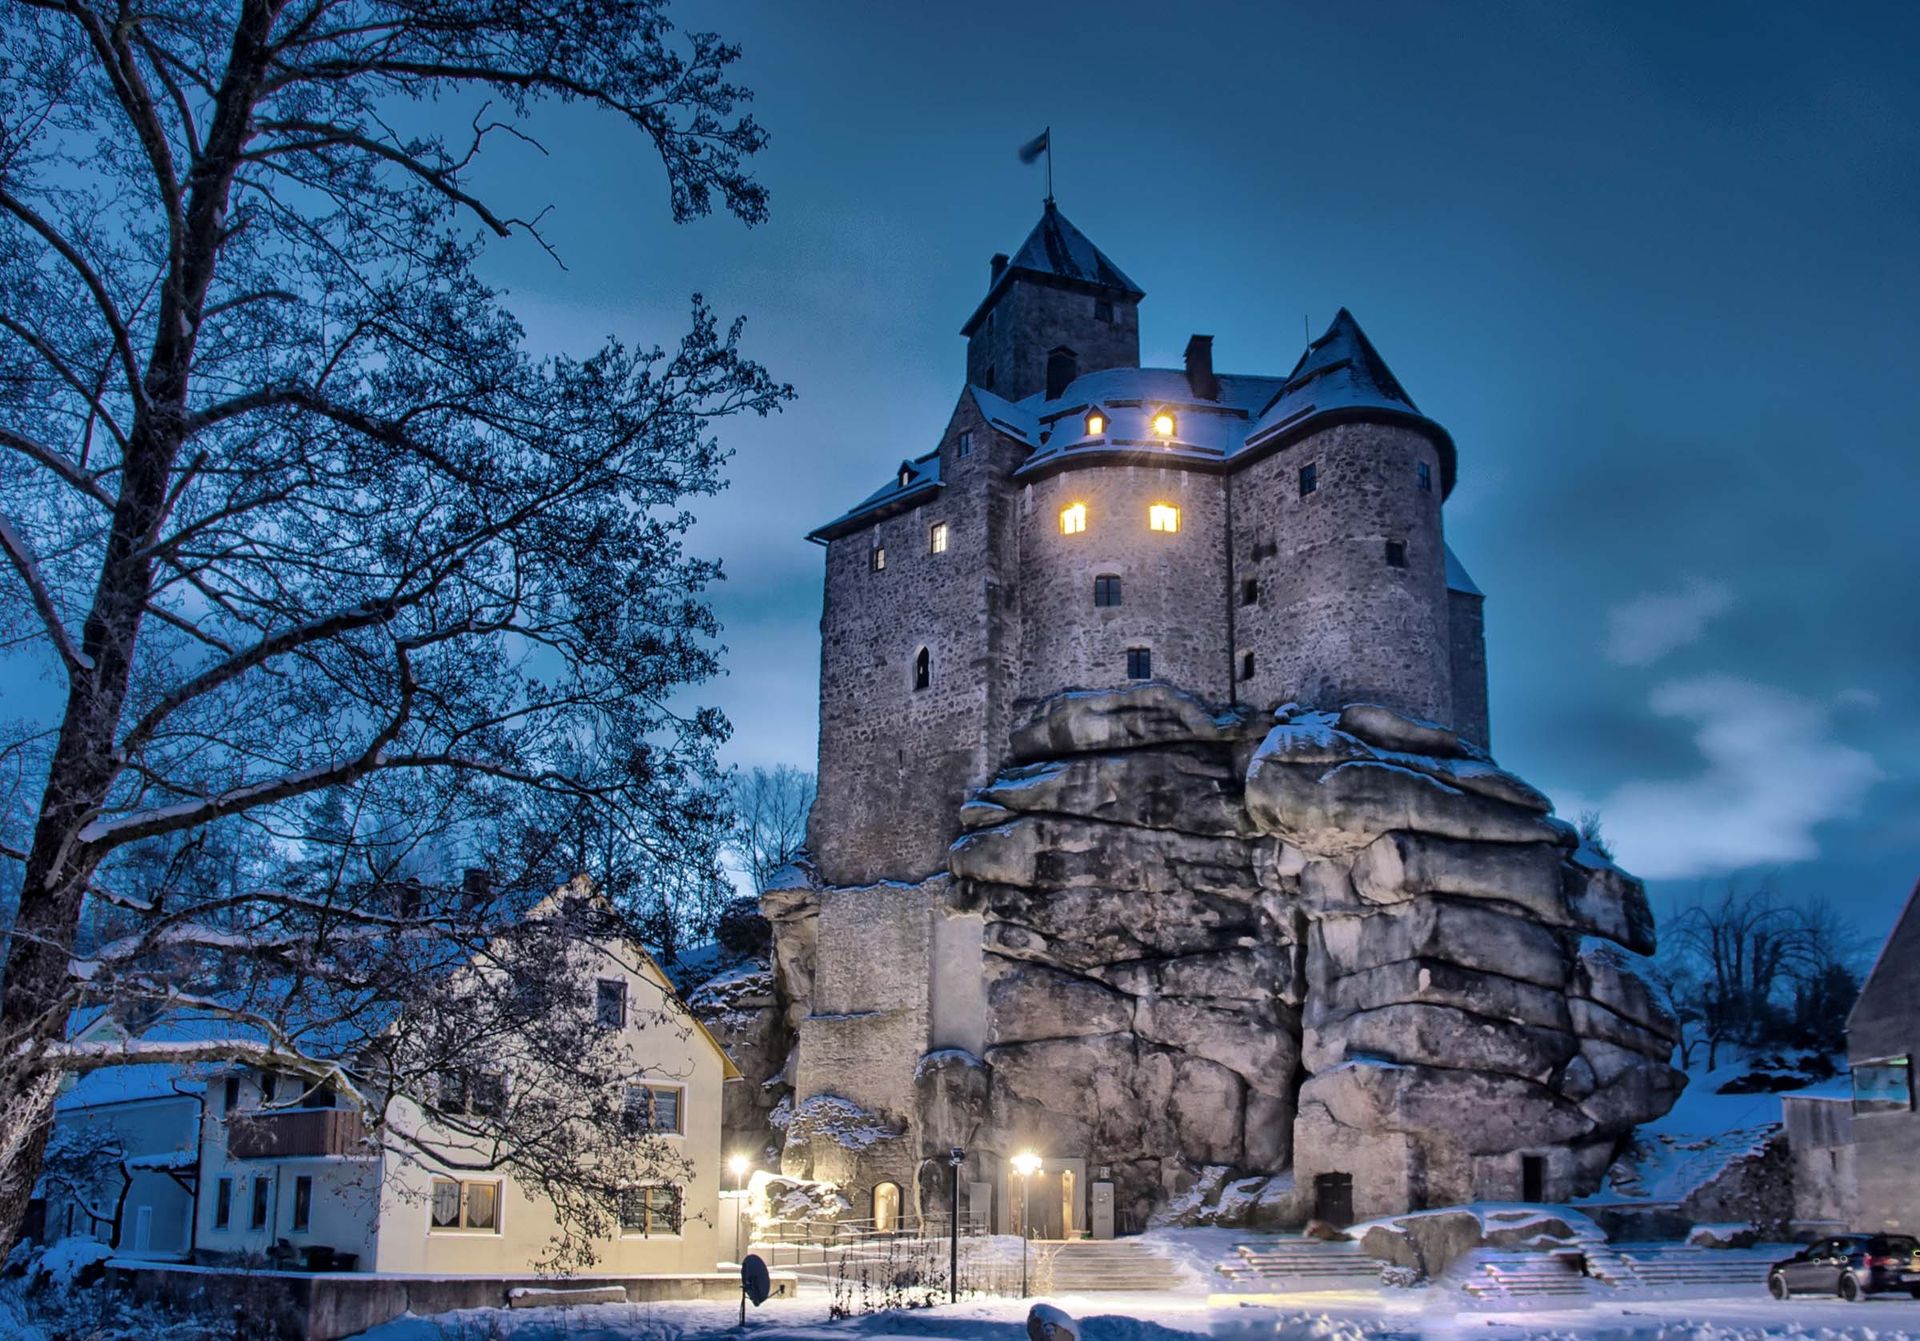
(1056,252)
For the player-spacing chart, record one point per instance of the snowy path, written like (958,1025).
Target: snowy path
(1357,1316)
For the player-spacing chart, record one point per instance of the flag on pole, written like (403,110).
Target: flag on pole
(1035,147)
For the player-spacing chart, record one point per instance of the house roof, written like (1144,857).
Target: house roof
(1905,935)
(1056,252)
(1340,377)
(1457,578)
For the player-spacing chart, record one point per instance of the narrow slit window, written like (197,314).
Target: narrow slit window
(1073,519)
(922,669)
(877,558)
(1246,665)
(1106,589)
(1250,591)
(1396,554)
(1139,663)
(1424,474)
(937,538)
(963,445)
(1309,478)
(1163,517)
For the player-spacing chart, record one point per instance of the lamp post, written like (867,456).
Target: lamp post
(738,1165)
(1026,1164)
(955,1158)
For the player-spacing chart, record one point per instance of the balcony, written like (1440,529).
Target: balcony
(295,1134)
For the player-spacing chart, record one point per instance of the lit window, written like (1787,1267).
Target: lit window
(877,558)
(963,445)
(1073,519)
(1396,554)
(1096,424)
(922,670)
(1106,589)
(937,538)
(1424,474)
(1164,424)
(458,1205)
(650,1210)
(1309,478)
(1163,517)
(1139,663)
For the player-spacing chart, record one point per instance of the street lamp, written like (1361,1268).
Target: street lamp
(1026,1164)
(955,1158)
(738,1165)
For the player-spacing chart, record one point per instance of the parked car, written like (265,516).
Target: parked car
(1852,1266)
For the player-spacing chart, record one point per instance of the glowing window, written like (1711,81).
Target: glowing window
(1163,517)
(937,538)
(1164,424)
(1096,424)
(1073,519)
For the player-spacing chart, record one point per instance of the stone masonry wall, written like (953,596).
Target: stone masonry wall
(1173,586)
(1467,660)
(1030,319)
(1334,623)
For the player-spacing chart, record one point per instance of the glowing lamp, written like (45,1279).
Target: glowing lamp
(1163,424)
(738,1166)
(1026,1164)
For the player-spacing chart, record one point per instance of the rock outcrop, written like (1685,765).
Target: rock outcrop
(1344,945)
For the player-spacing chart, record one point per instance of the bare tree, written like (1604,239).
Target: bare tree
(770,808)
(289,510)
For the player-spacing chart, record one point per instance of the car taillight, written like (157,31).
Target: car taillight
(1882,1261)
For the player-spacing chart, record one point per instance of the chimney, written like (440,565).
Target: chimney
(1063,365)
(1200,378)
(996,267)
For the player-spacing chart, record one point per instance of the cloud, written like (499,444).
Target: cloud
(1771,773)
(1646,628)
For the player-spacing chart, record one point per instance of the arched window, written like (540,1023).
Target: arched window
(886,1207)
(922,669)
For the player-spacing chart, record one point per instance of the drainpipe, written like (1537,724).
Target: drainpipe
(1233,652)
(199,1172)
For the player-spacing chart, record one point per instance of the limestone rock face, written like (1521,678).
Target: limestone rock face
(1326,945)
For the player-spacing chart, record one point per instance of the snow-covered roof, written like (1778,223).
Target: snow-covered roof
(913,483)
(1057,251)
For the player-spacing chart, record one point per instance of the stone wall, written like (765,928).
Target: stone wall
(1173,585)
(1335,623)
(1031,319)
(1467,663)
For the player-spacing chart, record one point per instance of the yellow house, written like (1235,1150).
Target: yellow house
(279,1167)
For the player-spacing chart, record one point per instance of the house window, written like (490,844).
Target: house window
(1246,665)
(1073,519)
(1250,591)
(1883,1086)
(1309,478)
(963,445)
(1396,554)
(230,1094)
(1139,663)
(1096,424)
(1424,474)
(610,1003)
(478,1093)
(269,1087)
(937,538)
(1106,589)
(1102,309)
(877,558)
(1165,425)
(922,669)
(458,1206)
(262,1194)
(1163,517)
(223,1203)
(655,1109)
(650,1210)
(302,1201)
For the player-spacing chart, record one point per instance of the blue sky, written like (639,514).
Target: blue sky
(1656,267)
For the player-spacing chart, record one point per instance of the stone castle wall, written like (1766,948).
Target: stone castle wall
(1467,657)
(1029,320)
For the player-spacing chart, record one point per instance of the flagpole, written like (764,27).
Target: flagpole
(1049,164)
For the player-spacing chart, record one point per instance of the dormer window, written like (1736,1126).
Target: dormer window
(906,475)
(1073,519)
(1096,424)
(1164,424)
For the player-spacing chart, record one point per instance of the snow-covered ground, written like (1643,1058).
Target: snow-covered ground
(1347,1316)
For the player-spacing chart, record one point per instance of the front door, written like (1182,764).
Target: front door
(1333,1198)
(1048,1212)
(1533,1178)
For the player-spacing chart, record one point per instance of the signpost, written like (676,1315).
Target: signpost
(955,1158)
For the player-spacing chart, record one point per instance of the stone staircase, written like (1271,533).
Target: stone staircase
(1296,1264)
(1095,1266)
(1496,1274)
(1654,1265)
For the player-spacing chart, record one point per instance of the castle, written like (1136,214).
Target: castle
(1156,831)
